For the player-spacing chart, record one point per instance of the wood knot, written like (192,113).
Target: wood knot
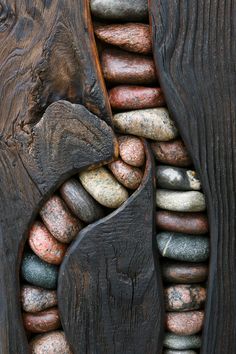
(7,17)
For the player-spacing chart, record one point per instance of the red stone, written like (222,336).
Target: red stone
(171,153)
(131,150)
(185,323)
(127,175)
(42,322)
(183,272)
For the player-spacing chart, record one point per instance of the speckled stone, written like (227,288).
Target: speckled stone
(35,299)
(37,272)
(131,150)
(50,343)
(120,67)
(190,201)
(184,323)
(170,351)
(80,201)
(183,247)
(129,176)
(103,187)
(133,37)
(152,123)
(135,97)
(173,341)
(185,273)
(59,221)
(189,223)
(45,245)
(122,10)
(184,297)
(172,153)
(42,322)
(183,179)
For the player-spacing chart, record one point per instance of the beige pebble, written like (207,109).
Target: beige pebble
(50,343)
(190,201)
(129,176)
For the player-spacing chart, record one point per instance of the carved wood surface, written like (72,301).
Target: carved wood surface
(195,51)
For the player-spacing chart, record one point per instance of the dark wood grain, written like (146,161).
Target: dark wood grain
(109,292)
(195,51)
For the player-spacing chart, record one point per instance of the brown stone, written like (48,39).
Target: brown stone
(35,299)
(127,175)
(184,297)
(171,153)
(50,343)
(186,273)
(59,221)
(43,321)
(135,97)
(189,223)
(185,323)
(45,245)
(133,37)
(131,150)
(127,68)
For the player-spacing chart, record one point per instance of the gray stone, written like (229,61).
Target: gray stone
(35,299)
(190,201)
(183,247)
(170,351)
(177,178)
(124,10)
(174,341)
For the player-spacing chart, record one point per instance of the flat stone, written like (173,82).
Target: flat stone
(42,322)
(189,223)
(184,297)
(186,273)
(129,176)
(133,37)
(51,343)
(184,323)
(80,201)
(45,245)
(170,351)
(103,187)
(59,220)
(37,272)
(122,10)
(177,178)
(183,247)
(172,153)
(190,201)
(35,299)
(153,123)
(120,67)
(131,150)
(173,341)
(135,97)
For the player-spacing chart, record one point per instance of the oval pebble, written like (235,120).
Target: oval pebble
(50,343)
(187,273)
(35,299)
(131,150)
(169,177)
(184,323)
(172,153)
(103,187)
(190,201)
(170,351)
(174,341)
(183,247)
(42,322)
(184,297)
(129,176)
(37,272)
(153,123)
(80,201)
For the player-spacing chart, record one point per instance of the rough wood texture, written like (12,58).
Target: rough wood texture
(115,301)
(194,46)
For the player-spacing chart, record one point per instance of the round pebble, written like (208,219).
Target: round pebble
(185,273)
(129,176)
(169,177)
(190,201)
(50,343)
(35,299)
(103,187)
(131,150)
(172,153)
(42,322)
(184,323)
(173,341)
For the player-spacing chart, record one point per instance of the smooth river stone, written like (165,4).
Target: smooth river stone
(184,297)
(173,341)
(135,97)
(189,223)
(184,323)
(103,187)
(131,150)
(178,178)
(129,176)
(186,273)
(80,201)
(37,272)
(153,123)
(35,299)
(172,153)
(50,343)
(45,245)
(59,220)
(183,247)
(122,10)
(120,67)
(133,37)
(190,201)
(170,351)
(42,322)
